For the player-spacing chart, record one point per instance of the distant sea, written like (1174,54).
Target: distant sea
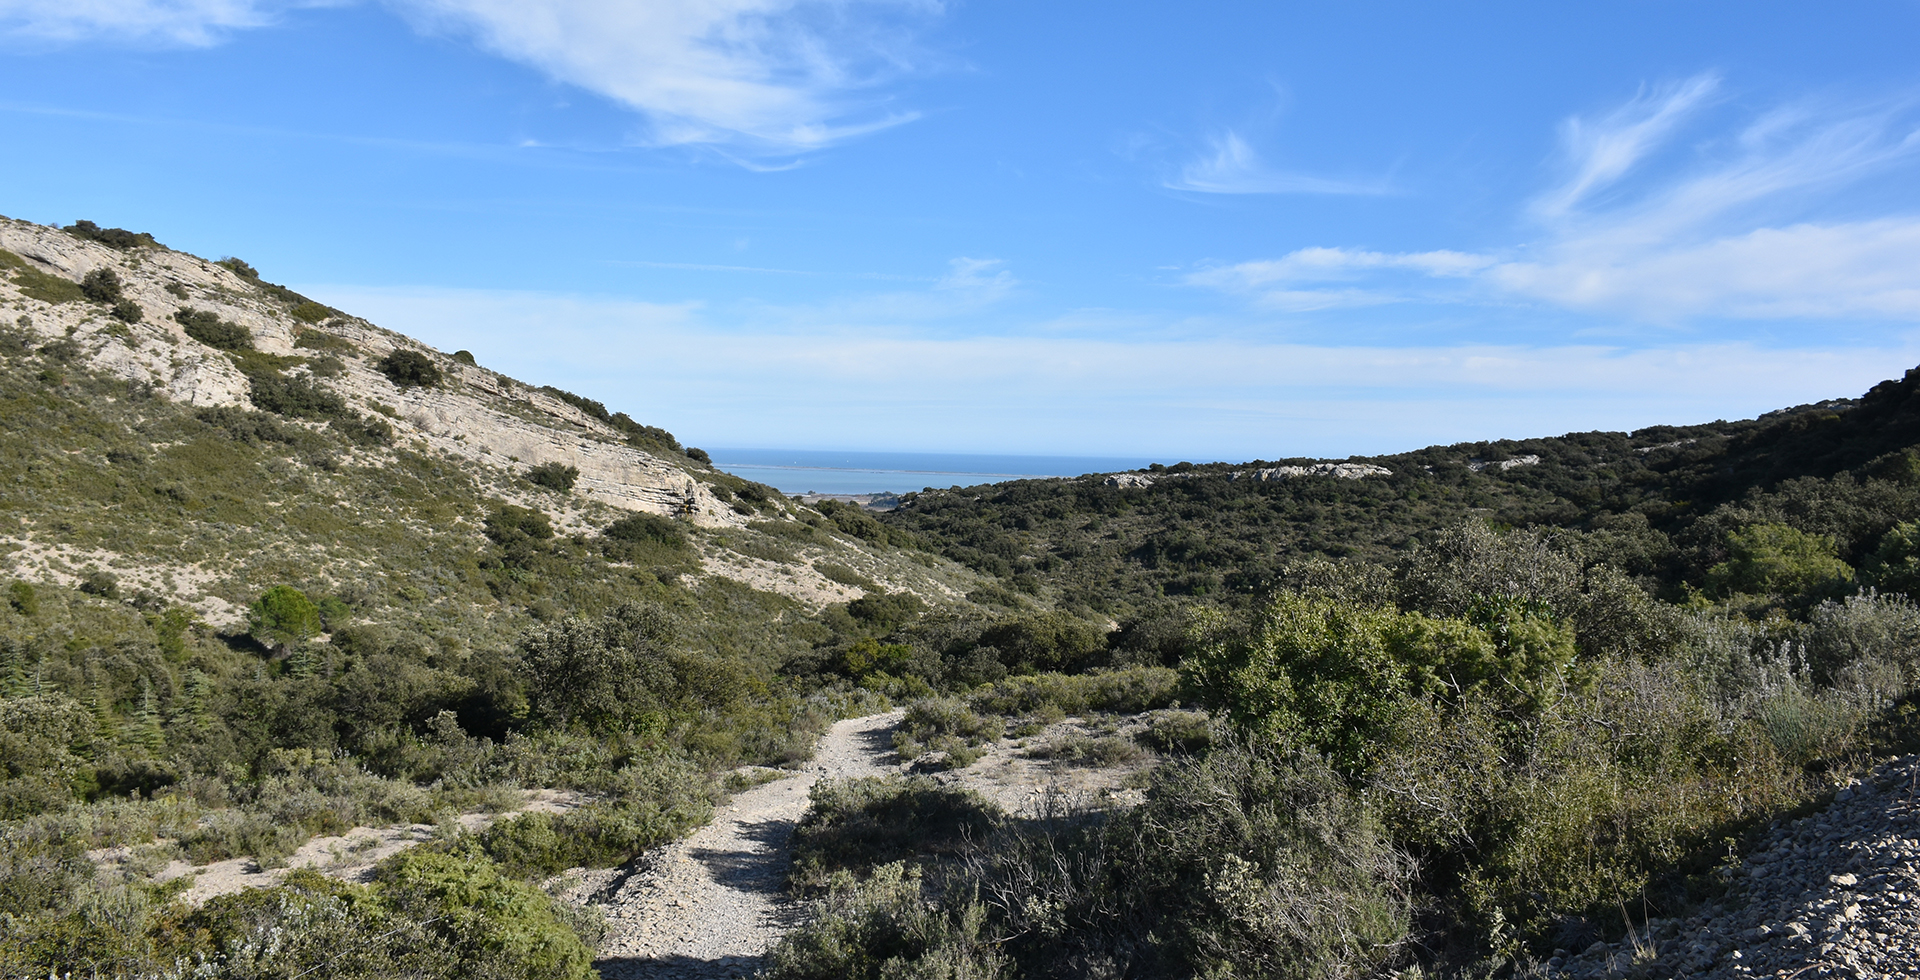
(807,471)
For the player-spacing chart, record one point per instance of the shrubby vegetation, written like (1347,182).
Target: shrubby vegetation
(1453,718)
(1437,740)
(554,476)
(409,368)
(206,327)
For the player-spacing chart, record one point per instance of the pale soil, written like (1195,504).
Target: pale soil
(67,565)
(349,857)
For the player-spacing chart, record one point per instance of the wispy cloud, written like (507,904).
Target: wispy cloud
(1735,234)
(1602,151)
(756,76)
(194,23)
(1282,283)
(756,80)
(684,367)
(1231,166)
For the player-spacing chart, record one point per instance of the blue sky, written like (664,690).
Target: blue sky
(1217,230)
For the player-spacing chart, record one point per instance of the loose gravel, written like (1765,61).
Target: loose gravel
(1833,894)
(711,905)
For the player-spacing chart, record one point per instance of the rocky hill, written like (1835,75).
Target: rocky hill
(319,371)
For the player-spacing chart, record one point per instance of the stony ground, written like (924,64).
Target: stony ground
(1833,894)
(713,903)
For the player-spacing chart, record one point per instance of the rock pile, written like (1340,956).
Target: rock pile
(1834,894)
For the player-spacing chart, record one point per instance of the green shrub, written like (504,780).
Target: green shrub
(1320,674)
(1253,862)
(42,738)
(310,339)
(119,238)
(239,267)
(101,285)
(101,583)
(699,456)
(554,476)
(206,327)
(1046,641)
(311,312)
(1127,691)
(598,674)
(856,824)
(599,835)
(836,572)
(23,598)
(646,529)
(463,357)
(283,615)
(507,522)
(409,368)
(128,311)
(882,928)
(1776,559)
(792,530)
(1178,731)
(1100,752)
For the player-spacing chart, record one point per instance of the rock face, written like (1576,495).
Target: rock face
(1504,465)
(1834,894)
(1343,471)
(1126,481)
(475,413)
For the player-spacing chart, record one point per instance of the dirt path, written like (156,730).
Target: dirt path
(711,905)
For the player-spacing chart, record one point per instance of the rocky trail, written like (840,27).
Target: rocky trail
(712,904)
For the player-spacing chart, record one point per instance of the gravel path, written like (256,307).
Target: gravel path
(711,905)
(1833,894)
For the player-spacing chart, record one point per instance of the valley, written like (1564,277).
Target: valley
(324,652)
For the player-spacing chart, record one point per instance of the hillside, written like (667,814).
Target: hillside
(326,653)
(1655,502)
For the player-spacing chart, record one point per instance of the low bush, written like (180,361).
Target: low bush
(882,928)
(1129,690)
(102,286)
(119,238)
(409,368)
(558,477)
(857,824)
(309,338)
(128,311)
(311,312)
(206,327)
(1174,730)
(836,572)
(1101,751)
(239,267)
(599,835)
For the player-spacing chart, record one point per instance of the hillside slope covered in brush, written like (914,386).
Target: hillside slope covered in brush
(273,572)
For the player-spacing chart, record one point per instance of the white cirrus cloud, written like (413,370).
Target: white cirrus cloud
(1232,166)
(755,79)
(779,76)
(194,23)
(1737,236)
